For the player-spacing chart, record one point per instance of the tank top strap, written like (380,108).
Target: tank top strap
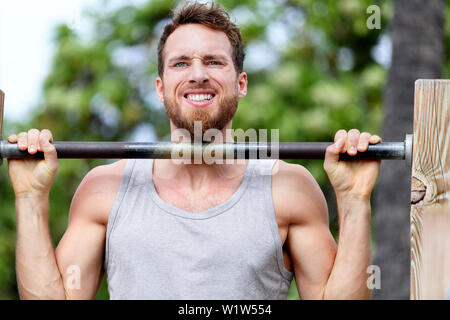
(263,173)
(126,182)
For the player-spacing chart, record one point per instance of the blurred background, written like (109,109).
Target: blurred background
(86,70)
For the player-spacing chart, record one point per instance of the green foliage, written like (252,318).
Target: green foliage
(446,71)
(324,78)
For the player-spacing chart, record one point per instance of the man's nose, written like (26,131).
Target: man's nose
(199,73)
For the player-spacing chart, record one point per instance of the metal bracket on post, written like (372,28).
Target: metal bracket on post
(409,149)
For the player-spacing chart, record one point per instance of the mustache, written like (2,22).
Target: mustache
(199,86)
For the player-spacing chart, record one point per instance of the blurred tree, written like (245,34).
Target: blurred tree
(417,34)
(312,68)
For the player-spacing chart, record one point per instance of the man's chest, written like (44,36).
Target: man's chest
(204,200)
(208,198)
(195,202)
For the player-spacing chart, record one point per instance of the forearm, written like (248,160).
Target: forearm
(348,278)
(38,276)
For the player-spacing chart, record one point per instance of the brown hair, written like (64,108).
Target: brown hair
(214,17)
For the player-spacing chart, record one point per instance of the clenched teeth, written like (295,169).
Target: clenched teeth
(199,97)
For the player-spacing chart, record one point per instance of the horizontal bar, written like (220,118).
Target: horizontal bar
(173,150)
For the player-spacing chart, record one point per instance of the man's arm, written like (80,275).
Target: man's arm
(348,279)
(37,272)
(322,270)
(81,249)
(74,270)
(311,247)
(42,274)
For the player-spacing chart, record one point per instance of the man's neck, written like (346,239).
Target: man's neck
(197,176)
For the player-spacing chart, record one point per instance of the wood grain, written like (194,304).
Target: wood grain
(430,194)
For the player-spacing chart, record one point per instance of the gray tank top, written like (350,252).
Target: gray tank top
(155,250)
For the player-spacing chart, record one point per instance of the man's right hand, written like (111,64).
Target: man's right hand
(32,177)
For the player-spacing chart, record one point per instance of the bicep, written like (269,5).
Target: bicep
(312,250)
(80,252)
(311,246)
(79,256)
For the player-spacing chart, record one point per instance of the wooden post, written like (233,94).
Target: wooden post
(430,191)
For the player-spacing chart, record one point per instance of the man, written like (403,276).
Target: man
(165,230)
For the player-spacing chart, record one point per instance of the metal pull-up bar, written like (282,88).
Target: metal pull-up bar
(171,150)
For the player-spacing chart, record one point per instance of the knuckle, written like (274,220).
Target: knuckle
(340,134)
(375,139)
(22,139)
(46,132)
(353,132)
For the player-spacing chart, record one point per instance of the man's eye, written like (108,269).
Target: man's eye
(180,64)
(214,63)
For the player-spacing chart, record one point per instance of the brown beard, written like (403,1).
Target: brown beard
(226,110)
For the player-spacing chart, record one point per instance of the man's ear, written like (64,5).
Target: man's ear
(160,89)
(242,84)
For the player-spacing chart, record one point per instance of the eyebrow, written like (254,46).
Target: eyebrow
(205,57)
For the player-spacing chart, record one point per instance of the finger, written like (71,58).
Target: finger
(375,139)
(48,135)
(49,150)
(22,141)
(332,153)
(341,134)
(363,141)
(12,138)
(352,141)
(33,139)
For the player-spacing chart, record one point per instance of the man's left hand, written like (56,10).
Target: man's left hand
(355,178)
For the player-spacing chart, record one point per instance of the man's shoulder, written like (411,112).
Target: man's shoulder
(292,176)
(296,193)
(96,193)
(103,178)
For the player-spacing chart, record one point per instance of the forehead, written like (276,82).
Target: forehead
(196,39)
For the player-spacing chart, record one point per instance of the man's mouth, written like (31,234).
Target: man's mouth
(199,99)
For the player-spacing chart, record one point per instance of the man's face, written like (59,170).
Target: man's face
(200,82)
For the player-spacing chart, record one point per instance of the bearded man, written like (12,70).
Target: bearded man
(166,230)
